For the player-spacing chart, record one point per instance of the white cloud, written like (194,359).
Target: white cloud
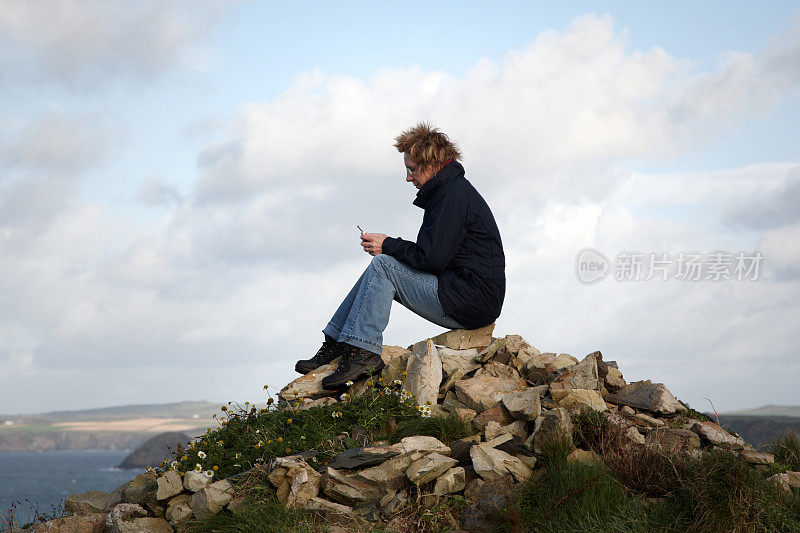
(87,42)
(241,276)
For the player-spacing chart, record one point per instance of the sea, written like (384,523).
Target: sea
(44,479)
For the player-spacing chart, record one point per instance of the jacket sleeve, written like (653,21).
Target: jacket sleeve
(442,232)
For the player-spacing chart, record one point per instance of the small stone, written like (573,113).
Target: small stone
(325,506)
(296,482)
(569,398)
(488,353)
(498,413)
(497,441)
(717,436)
(429,468)
(90,502)
(454,480)
(520,360)
(393,502)
(179,514)
(363,457)
(89,523)
(169,485)
(123,516)
(614,380)
(498,370)
(352,490)
(787,480)
(556,425)
(194,480)
(580,376)
(422,443)
(587,457)
(474,489)
(181,499)
(484,392)
(310,385)
(649,420)
(562,360)
(201,505)
(143,525)
(544,366)
(793,478)
(653,397)
(424,373)
(463,339)
(673,440)
(627,410)
(396,360)
(458,361)
(467,415)
(492,464)
(307,403)
(155,509)
(633,434)
(141,489)
(757,458)
(527,460)
(525,404)
(518,428)
(390,475)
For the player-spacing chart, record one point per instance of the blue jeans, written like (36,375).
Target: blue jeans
(364,313)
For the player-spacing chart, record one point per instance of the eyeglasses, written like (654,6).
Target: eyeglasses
(411,171)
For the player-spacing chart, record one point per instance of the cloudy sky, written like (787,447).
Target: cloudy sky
(180,185)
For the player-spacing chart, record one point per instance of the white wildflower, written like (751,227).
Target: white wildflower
(201,454)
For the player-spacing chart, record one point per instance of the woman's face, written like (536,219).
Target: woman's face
(415,173)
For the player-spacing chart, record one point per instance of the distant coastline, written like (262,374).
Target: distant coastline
(112,428)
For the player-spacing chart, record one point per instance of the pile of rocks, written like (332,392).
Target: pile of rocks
(146,504)
(517,397)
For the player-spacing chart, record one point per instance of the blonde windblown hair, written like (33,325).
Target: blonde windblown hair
(427,146)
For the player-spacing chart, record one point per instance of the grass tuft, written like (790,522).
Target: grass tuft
(445,428)
(248,437)
(786,449)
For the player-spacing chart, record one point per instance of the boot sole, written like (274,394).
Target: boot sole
(341,383)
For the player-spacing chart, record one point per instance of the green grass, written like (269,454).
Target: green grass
(786,449)
(718,491)
(579,497)
(445,428)
(248,436)
(257,516)
(260,512)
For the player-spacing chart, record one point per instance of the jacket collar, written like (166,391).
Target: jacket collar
(448,173)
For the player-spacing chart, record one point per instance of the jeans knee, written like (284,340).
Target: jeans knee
(382,261)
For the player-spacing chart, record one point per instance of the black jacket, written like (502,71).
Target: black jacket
(460,243)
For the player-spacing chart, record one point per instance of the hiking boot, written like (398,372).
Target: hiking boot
(356,363)
(329,351)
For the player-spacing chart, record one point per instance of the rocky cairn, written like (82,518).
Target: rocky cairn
(517,398)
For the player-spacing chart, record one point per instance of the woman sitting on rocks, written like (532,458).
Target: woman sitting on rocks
(453,275)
